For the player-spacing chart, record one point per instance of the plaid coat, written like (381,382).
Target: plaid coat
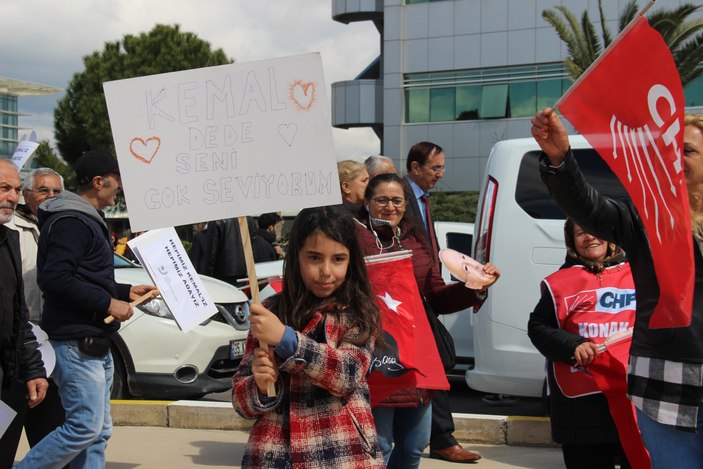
(321,416)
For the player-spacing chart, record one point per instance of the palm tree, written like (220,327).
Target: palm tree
(684,37)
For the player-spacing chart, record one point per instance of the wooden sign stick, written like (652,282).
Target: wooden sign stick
(137,302)
(253,283)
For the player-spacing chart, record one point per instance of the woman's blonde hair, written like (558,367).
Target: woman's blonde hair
(695,120)
(349,170)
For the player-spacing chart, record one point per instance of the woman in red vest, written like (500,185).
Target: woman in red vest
(591,297)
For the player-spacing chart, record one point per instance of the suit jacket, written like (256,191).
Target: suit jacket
(413,208)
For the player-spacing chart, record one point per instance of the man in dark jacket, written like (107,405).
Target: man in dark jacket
(225,251)
(76,276)
(263,239)
(19,358)
(40,184)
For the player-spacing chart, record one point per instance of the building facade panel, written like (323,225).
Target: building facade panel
(467,18)
(522,15)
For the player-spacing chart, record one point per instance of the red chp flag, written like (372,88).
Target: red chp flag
(609,370)
(409,357)
(630,108)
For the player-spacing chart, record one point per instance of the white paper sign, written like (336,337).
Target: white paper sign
(48,355)
(162,255)
(7,415)
(225,141)
(24,151)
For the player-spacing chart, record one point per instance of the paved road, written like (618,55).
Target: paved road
(176,448)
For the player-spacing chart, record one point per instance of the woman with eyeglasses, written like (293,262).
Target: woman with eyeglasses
(403,421)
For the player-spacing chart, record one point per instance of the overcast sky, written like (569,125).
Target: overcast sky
(44,41)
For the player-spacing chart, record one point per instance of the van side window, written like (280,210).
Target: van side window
(532,195)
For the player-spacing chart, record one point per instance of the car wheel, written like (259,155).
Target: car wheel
(119,388)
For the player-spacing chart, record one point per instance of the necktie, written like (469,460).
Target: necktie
(430,226)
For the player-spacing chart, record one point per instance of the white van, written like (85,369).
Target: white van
(520,229)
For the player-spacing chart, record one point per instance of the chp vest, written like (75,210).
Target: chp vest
(594,306)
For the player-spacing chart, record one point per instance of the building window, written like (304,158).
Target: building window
(495,93)
(442,104)
(483,94)
(694,92)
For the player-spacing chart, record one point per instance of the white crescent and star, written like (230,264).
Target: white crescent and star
(391,303)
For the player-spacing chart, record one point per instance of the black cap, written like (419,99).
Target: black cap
(94,163)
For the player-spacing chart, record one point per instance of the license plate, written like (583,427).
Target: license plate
(236,348)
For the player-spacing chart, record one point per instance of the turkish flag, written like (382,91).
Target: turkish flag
(609,371)
(409,357)
(630,107)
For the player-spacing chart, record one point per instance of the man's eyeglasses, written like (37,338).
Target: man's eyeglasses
(383,201)
(437,169)
(46,190)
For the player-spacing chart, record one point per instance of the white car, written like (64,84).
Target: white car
(155,359)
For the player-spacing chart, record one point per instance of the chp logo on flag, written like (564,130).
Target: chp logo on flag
(629,105)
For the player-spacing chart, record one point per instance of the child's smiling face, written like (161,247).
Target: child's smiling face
(323,264)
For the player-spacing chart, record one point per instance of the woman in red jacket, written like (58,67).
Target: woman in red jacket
(405,417)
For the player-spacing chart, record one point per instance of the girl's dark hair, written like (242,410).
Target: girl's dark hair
(296,304)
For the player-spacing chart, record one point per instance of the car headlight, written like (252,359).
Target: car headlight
(157,307)
(235,314)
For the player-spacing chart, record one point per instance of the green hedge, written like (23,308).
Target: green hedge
(454,206)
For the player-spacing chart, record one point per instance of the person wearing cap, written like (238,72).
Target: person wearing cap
(76,276)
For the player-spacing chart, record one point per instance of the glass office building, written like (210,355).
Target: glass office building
(10,91)
(461,73)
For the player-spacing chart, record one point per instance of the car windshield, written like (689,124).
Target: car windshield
(121,262)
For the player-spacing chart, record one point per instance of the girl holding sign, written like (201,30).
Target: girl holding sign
(322,329)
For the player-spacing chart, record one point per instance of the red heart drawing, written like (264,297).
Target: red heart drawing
(303,94)
(144,150)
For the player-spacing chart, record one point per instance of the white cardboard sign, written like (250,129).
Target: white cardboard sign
(224,141)
(162,254)
(25,149)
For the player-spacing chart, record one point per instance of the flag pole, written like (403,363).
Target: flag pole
(598,60)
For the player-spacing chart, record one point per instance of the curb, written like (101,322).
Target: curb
(470,428)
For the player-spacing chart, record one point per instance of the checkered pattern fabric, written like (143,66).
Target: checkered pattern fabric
(668,392)
(321,417)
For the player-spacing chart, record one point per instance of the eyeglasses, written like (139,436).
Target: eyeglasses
(47,190)
(383,201)
(437,169)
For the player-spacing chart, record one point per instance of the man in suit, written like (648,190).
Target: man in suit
(425,166)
